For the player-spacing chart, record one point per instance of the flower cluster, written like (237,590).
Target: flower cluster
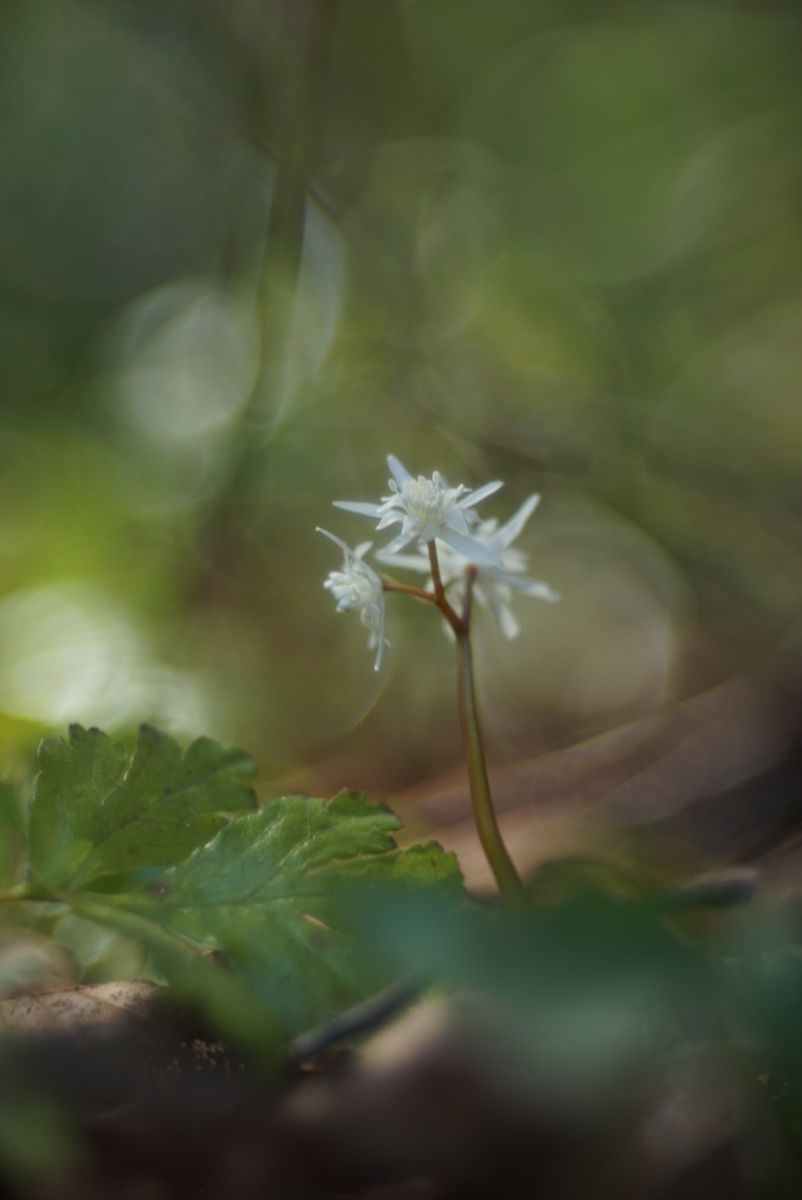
(358,587)
(428,510)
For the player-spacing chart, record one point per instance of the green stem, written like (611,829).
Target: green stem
(509,881)
(440,598)
(506,875)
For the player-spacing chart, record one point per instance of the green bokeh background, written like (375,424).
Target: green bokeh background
(554,243)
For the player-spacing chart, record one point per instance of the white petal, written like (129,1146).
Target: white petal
(380,651)
(457,519)
(390,518)
(507,620)
(540,591)
(337,542)
(497,598)
(398,543)
(357,506)
(399,472)
(474,551)
(407,562)
(482,493)
(509,532)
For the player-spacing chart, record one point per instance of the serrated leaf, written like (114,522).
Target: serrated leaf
(93,813)
(274,891)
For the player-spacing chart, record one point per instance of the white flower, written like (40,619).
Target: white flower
(358,587)
(494,584)
(427,509)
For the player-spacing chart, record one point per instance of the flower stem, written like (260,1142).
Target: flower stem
(509,881)
(440,593)
(407,589)
(507,877)
(434,563)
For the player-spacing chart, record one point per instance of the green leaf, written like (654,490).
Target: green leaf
(277,892)
(196,980)
(93,813)
(12,835)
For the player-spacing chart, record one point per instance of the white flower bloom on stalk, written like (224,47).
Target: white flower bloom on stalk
(427,509)
(494,584)
(358,588)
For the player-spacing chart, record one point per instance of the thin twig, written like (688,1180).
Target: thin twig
(407,589)
(362,1018)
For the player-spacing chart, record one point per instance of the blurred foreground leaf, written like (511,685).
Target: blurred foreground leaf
(11,834)
(93,813)
(595,977)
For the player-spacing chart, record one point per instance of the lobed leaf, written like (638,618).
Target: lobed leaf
(277,892)
(93,813)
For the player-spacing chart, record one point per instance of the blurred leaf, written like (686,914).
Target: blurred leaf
(31,962)
(100,953)
(594,977)
(93,813)
(11,834)
(276,892)
(36,1141)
